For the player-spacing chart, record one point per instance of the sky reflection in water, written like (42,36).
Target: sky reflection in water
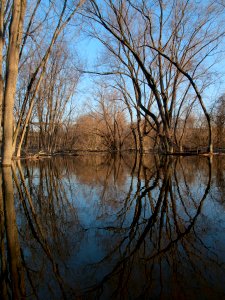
(102,227)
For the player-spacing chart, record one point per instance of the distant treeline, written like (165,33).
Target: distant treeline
(109,129)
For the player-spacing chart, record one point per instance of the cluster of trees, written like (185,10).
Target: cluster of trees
(33,66)
(158,64)
(106,127)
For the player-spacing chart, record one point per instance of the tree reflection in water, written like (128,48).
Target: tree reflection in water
(103,227)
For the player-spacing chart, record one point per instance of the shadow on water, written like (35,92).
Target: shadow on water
(102,227)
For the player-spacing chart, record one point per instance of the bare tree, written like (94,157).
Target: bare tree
(51,102)
(169,47)
(112,124)
(218,114)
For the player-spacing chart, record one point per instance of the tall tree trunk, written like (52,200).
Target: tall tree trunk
(15,36)
(2,7)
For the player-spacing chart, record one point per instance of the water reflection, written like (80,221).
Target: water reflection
(102,227)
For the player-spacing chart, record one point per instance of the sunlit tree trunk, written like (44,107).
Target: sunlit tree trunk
(15,36)
(2,6)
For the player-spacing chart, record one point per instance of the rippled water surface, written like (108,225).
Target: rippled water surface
(103,227)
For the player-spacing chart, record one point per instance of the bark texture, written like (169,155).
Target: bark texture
(15,37)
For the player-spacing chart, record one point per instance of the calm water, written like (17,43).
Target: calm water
(100,227)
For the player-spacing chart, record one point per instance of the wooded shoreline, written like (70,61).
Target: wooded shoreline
(43,155)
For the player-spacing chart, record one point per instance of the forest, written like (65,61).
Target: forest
(155,82)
